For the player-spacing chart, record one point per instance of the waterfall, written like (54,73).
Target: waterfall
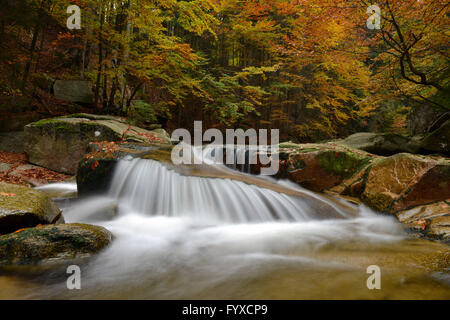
(150,188)
(180,236)
(243,156)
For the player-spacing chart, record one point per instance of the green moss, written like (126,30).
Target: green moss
(90,116)
(297,165)
(55,124)
(343,164)
(307,150)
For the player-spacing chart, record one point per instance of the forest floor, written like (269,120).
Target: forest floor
(15,169)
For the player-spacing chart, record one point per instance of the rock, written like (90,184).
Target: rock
(325,168)
(22,207)
(384,144)
(431,220)
(433,185)
(60,143)
(52,243)
(438,141)
(394,183)
(74,91)
(95,170)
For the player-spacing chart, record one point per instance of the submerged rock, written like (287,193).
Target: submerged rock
(52,243)
(22,207)
(60,143)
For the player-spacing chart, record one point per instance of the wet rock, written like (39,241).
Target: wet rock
(404,180)
(52,243)
(431,220)
(22,207)
(96,169)
(390,177)
(432,186)
(324,169)
(391,185)
(60,143)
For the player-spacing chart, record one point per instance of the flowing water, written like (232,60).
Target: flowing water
(216,234)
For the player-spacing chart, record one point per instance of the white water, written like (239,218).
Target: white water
(190,237)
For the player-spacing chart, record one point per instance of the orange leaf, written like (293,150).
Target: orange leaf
(7,194)
(94,165)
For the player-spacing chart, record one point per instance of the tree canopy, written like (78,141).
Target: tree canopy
(308,67)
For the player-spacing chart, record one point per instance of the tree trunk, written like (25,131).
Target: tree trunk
(26,72)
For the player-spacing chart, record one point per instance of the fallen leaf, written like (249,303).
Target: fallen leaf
(7,194)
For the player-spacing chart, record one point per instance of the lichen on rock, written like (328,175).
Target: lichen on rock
(22,207)
(52,243)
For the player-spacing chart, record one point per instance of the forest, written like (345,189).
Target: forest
(310,68)
(104,195)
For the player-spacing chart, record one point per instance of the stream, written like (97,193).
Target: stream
(220,234)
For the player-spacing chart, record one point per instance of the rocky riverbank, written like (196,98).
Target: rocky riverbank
(414,188)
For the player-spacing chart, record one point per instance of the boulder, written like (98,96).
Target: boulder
(60,143)
(431,220)
(438,141)
(74,91)
(384,144)
(52,243)
(405,180)
(22,207)
(95,170)
(320,168)
(431,186)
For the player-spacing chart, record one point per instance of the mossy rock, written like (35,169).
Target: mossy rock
(324,169)
(22,207)
(60,143)
(52,243)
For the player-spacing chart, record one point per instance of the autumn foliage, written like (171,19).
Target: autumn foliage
(310,68)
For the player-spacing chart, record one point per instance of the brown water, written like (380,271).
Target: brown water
(410,269)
